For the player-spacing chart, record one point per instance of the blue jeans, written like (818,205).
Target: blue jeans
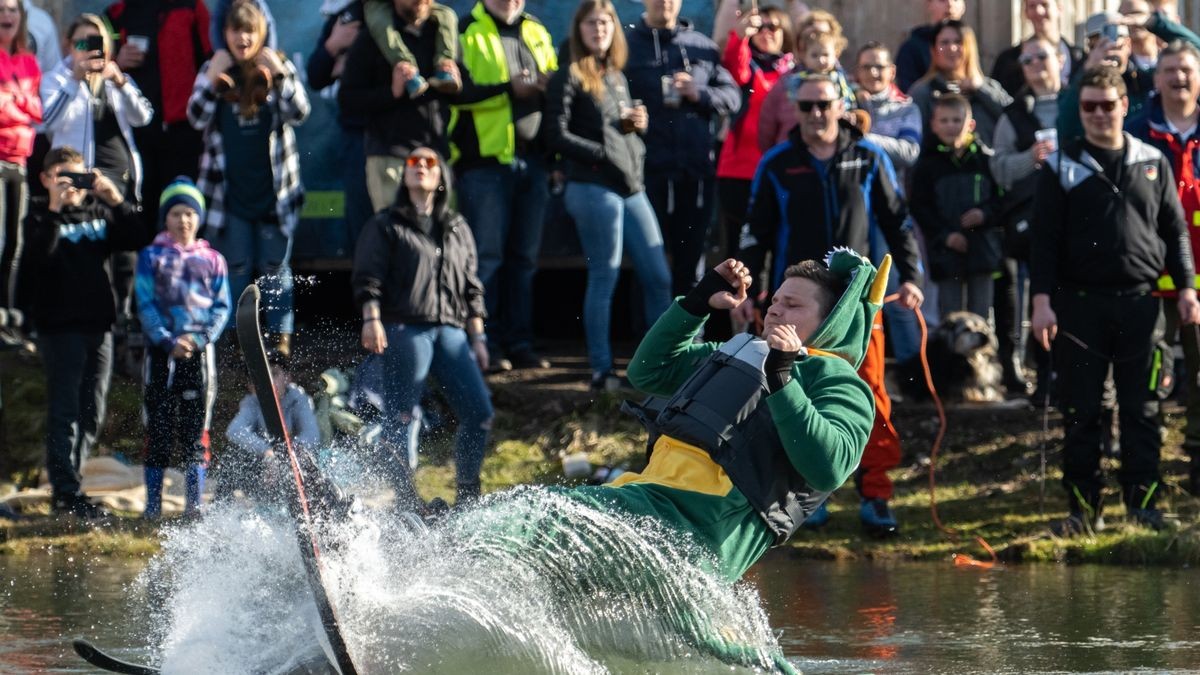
(259,248)
(505,207)
(609,223)
(414,351)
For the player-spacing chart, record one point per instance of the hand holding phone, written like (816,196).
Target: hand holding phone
(79,181)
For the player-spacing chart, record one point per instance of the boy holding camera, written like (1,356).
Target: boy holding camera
(65,286)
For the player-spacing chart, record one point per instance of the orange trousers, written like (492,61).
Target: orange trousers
(883,447)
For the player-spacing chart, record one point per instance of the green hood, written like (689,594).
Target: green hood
(847,330)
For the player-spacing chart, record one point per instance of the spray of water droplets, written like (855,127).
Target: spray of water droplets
(527,581)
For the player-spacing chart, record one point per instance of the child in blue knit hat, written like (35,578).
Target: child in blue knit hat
(182,289)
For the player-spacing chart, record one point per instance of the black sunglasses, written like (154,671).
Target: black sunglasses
(822,105)
(1027,59)
(771,26)
(1091,106)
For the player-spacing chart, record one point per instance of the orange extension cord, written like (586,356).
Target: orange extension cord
(960,559)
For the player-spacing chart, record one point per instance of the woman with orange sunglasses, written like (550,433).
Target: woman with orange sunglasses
(422,309)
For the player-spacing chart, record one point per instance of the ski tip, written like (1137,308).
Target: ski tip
(251,294)
(92,654)
(84,648)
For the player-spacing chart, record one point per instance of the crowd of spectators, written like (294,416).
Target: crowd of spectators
(456,131)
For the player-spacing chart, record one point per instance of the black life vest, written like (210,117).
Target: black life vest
(722,409)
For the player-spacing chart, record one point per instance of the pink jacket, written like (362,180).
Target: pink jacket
(19,80)
(741,152)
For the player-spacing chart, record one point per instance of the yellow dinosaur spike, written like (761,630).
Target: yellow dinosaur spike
(879,286)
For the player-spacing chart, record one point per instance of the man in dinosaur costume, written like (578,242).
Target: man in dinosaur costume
(750,436)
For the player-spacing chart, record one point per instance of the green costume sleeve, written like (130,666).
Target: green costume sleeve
(824,417)
(1069,125)
(667,356)
(1168,31)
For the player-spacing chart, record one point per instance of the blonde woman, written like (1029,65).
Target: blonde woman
(956,69)
(597,128)
(246,101)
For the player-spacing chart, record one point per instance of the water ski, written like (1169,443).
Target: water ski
(92,654)
(308,490)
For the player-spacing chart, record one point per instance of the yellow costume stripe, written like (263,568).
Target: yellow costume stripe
(676,464)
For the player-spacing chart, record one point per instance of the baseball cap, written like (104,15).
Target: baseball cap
(1096,23)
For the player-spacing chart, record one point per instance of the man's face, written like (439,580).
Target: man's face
(1040,66)
(796,303)
(876,72)
(819,123)
(413,11)
(54,181)
(1136,8)
(1043,14)
(662,11)
(1176,79)
(1103,112)
(951,124)
(506,10)
(940,10)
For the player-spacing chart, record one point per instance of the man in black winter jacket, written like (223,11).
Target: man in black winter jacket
(676,72)
(1107,220)
(823,188)
(65,287)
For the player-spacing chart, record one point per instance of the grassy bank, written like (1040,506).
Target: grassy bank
(987,473)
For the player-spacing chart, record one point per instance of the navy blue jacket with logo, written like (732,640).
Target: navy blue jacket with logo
(63,278)
(1091,233)
(679,140)
(800,207)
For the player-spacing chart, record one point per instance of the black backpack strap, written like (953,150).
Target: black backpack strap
(647,413)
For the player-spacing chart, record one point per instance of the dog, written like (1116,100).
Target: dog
(962,360)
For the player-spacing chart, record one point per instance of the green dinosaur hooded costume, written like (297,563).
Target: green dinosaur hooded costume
(823,418)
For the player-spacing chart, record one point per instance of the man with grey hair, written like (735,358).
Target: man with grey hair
(1169,122)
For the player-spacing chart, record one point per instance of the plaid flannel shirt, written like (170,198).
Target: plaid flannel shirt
(290,105)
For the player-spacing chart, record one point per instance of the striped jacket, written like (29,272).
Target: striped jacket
(290,107)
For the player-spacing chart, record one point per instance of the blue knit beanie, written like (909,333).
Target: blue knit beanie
(181,191)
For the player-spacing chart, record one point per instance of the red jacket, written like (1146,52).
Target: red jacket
(19,78)
(1151,126)
(740,153)
(180,44)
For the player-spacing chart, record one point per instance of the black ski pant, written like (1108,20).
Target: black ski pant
(178,400)
(78,371)
(1096,330)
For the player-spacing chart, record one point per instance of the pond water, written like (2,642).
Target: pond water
(848,617)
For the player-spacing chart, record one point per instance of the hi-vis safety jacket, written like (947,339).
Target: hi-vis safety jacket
(485,129)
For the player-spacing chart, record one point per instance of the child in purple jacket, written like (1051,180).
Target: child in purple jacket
(182,289)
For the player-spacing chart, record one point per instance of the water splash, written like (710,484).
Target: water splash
(527,581)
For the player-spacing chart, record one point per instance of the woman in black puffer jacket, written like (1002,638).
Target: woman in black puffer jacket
(422,309)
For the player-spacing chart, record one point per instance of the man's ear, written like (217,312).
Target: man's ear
(46,178)
(970,125)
